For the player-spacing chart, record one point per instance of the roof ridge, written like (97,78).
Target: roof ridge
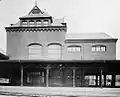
(87,33)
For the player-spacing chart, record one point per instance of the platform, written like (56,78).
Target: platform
(59,91)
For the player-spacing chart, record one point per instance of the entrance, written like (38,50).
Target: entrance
(60,77)
(55,77)
(36,77)
(79,78)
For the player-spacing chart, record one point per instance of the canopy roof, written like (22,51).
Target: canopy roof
(3,55)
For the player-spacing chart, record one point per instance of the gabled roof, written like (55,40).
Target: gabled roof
(83,36)
(36,12)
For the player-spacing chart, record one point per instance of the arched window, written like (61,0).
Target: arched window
(31,23)
(74,48)
(54,51)
(45,22)
(35,51)
(38,22)
(98,48)
(24,23)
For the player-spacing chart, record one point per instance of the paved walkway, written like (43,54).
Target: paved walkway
(58,91)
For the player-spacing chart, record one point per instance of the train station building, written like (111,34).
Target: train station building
(42,53)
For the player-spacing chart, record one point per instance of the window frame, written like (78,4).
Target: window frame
(45,22)
(34,55)
(25,23)
(54,53)
(74,48)
(99,48)
(31,22)
(90,80)
(38,22)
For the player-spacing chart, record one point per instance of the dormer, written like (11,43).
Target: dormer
(36,17)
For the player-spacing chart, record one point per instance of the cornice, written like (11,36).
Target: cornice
(35,17)
(90,40)
(63,26)
(35,29)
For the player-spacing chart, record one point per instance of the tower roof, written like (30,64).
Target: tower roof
(36,12)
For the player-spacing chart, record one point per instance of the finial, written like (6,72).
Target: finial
(35,2)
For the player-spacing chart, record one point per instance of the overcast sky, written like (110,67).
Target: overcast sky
(82,16)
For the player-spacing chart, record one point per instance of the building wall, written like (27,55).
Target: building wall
(87,53)
(17,46)
(109,54)
(17,42)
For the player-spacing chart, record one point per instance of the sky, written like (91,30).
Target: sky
(82,16)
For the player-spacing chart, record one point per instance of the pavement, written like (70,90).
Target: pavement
(17,91)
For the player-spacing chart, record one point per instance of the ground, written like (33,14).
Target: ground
(17,91)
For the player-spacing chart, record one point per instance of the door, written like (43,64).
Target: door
(36,78)
(79,78)
(55,77)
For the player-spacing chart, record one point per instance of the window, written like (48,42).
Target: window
(54,51)
(24,23)
(90,80)
(74,48)
(103,48)
(108,80)
(35,51)
(117,82)
(38,22)
(98,80)
(98,48)
(4,80)
(45,22)
(35,77)
(93,48)
(31,23)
